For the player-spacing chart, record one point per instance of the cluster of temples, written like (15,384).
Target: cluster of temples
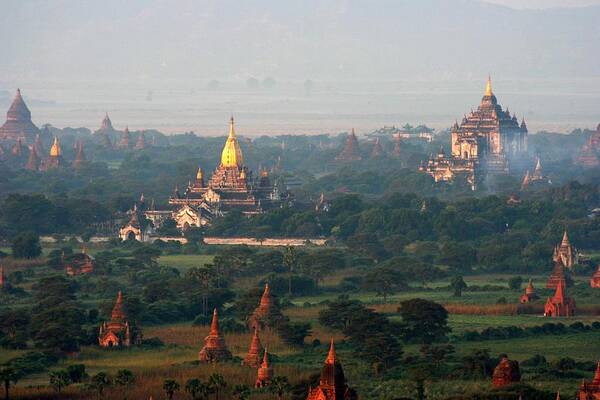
(351,149)
(486,141)
(121,139)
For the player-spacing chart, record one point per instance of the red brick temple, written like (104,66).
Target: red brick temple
(530,294)
(557,275)
(590,390)
(506,372)
(253,357)
(79,264)
(377,150)
(265,372)
(351,151)
(214,349)
(18,123)
(560,305)
(55,160)
(565,252)
(595,279)
(124,140)
(332,384)
(589,156)
(258,319)
(118,332)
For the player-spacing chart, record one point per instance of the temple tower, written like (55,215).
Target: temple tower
(560,305)
(530,294)
(124,140)
(350,151)
(259,318)
(55,160)
(332,383)
(214,349)
(590,390)
(506,372)
(118,332)
(565,253)
(18,123)
(80,158)
(253,357)
(595,279)
(265,372)
(377,150)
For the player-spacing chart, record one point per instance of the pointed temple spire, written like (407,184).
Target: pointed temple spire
(118,332)
(488,87)
(141,142)
(231,157)
(331,354)
(55,150)
(265,372)
(253,357)
(351,151)
(124,141)
(332,383)
(117,311)
(560,305)
(80,158)
(214,349)
(33,161)
(565,239)
(18,122)
(265,309)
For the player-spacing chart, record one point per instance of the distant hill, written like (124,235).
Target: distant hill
(343,39)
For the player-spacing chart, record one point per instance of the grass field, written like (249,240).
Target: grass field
(185,262)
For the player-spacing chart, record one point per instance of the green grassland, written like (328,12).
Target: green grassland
(185,262)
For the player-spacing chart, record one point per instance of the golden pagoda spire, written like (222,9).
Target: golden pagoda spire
(55,149)
(488,87)
(232,154)
(199,174)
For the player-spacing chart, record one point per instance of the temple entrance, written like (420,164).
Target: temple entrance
(131,235)
(110,343)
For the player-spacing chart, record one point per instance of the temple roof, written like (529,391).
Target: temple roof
(18,110)
(232,153)
(55,150)
(18,122)
(565,240)
(332,373)
(117,311)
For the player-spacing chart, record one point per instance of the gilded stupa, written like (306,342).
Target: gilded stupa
(232,186)
(56,159)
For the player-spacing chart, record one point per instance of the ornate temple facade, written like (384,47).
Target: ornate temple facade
(486,141)
(18,123)
(133,230)
(565,253)
(118,332)
(214,349)
(332,383)
(590,390)
(232,186)
(506,372)
(560,305)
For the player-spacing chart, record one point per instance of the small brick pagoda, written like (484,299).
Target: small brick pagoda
(214,349)
(253,357)
(560,305)
(258,319)
(265,372)
(530,294)
(589,155)
(590,390)
(118,332)
(506,372)
(595,280)
(80,159)
(377,150)
(350,152)
(79,264)
(332,384)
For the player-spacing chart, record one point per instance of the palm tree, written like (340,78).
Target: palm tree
(241,392)
(197,389)
(8,375)
(59,379)
(216,383)
(170,387)
(279,386)
(100,381)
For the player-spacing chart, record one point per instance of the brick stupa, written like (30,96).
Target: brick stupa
(377,150)
(560,305)
(557,275)
(332,383)
(350,152)
(258,319)
(253,357)
(214,349)
(506,372)
(80,160)
(124,140)
(595,280)
(265,372)
(589,156)
(530,294)
(18,123)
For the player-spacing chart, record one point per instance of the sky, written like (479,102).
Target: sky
(380,61)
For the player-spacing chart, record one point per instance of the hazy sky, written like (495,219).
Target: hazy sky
(534,4)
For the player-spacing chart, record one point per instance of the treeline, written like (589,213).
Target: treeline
(513,332)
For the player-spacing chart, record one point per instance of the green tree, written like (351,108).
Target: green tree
(280,386)
(293,333)
(124,377)
(241,392)
(458,285)
(197,389)
(382,350)
(340,312)
(8,376)
(290,257)
(26,245)
(59,379)
(424,321)
(100,381)
(515,283)
(76,373)
(217,383)
(385,281)
(170,386)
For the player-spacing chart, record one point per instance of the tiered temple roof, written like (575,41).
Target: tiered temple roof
(560,305)
(590,390)
(557,275)
(214,349)
(18,123)
(506,372)
(351,151)
(565,253)
(332,383)
(118,332)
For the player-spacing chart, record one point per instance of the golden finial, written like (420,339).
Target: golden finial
(199,174)
(232,154)
(488,87)
(243,174)
(55,149)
